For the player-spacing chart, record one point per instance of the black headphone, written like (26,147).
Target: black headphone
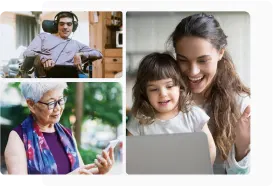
(75,23)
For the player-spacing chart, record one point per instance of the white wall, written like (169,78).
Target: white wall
(7,36)
(148,32)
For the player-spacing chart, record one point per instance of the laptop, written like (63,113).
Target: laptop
(183,153)
(63,71)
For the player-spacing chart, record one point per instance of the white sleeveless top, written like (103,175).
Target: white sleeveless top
(191,121)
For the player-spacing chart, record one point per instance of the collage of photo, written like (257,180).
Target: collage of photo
(163,92)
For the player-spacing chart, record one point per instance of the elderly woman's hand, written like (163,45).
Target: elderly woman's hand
(105,161)
(86,170)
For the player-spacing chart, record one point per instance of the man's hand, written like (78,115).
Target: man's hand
(77,59)
(48,64)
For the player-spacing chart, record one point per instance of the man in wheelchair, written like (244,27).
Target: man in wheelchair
(54,49)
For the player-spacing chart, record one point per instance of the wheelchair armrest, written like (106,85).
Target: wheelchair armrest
(87,64)
(28,63)
(89,59)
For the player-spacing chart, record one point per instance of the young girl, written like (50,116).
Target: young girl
(162,103)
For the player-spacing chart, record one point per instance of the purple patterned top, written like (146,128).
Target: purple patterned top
(56,148)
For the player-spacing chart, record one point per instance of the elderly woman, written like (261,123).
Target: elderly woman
(40,144)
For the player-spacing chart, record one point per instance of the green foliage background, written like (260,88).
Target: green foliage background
(101,101)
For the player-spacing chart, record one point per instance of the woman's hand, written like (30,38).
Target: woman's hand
(105,161)
(242,140)
(86,170)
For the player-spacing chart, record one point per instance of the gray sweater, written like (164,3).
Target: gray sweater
(61,51)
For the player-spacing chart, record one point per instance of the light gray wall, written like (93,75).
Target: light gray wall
(148,32)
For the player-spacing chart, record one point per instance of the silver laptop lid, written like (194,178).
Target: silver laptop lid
(183,153)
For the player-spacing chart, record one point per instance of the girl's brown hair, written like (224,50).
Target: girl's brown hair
(226,84)
(156,66)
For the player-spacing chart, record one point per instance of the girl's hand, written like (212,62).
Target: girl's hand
(105,161)
(242,140)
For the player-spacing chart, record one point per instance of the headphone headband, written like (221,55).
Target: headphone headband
(73,15)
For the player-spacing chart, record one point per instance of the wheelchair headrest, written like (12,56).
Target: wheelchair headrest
(48,26)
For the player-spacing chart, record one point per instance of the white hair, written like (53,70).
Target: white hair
(36,90)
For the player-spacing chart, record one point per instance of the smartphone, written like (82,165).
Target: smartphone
(112,144)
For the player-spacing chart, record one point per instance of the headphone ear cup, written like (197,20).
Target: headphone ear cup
(55,26)
(75,26)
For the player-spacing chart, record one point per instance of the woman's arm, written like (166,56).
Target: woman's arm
(238,161)
(242,141)
(212,147)
(238,158)
(234,167)
(15,155)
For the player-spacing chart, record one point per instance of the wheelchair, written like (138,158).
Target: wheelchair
(27,67)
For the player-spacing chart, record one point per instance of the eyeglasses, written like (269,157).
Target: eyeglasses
(51,105)
(63,23)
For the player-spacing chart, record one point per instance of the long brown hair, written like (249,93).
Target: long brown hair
(226,84)
(156,66)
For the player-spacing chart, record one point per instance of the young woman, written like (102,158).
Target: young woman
(200,46)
